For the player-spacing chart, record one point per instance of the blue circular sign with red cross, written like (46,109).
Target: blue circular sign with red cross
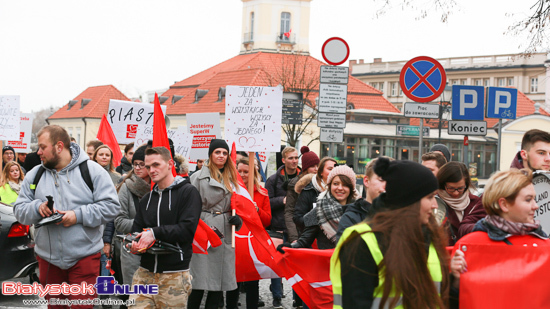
(422,79)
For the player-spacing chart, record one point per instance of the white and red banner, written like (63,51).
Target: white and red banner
(204,127)
(10,117)
(126,117)
(23,144)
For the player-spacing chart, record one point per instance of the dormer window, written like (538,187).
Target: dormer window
(221,94)
(72,103)
(199,94)
(84,102)
(176,98)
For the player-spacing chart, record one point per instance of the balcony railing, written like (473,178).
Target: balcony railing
(282,38)
(248,37)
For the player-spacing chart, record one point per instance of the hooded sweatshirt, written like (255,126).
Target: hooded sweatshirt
(64,246)
(173,214)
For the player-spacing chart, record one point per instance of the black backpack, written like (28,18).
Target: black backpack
(84,171)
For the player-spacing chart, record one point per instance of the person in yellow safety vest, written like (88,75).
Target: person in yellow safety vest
(396,258)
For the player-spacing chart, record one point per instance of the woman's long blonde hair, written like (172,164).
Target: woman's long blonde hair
(6,173)
(257,185)
(94,156)
(229,175)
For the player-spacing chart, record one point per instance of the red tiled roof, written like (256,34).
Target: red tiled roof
(99,104)
(525,106)
(264,69)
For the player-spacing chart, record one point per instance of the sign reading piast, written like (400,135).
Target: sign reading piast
(253,117)
(204,127)
(125,117)
(9,117)
(23,144)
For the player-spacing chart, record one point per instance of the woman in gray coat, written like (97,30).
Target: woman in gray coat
(215,272)
(134,186)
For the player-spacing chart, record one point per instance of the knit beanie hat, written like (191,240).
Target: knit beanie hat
(139,154)
(309,158)
(407,182)
(8,148)
(215,144)
(443,149)
(342,170)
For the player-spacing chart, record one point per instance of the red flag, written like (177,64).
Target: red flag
(204,237)
(160,135)
(517,275)
(106,135)
(308,272)
(287,34)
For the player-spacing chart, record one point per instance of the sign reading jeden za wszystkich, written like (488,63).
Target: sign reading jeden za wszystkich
(253,117)
(125,117)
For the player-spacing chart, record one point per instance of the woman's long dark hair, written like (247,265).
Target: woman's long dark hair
(404,265)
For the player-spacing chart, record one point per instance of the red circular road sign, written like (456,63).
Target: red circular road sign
(335,51)
(422,79)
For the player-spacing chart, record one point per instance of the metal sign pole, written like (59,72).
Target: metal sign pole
(466,155)
(421,135)
(499,144)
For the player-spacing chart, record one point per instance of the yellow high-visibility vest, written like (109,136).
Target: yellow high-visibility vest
(370,239)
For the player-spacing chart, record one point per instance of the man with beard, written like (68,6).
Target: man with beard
(68,251)
(535,151)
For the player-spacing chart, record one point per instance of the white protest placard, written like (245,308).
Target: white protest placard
(204,127)
(126,117)
(9,117)
(145,133)
(182,142)
(253,117)
(23,144)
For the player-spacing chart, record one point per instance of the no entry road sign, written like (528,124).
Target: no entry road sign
(422,79)
(335,51)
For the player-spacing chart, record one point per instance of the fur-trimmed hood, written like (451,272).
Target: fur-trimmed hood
(303,182)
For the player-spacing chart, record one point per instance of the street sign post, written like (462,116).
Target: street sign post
(422,79)
(332,135)
(334,75)
(502,104)
(467,102)
(421,110)
(405,130)
(333,98)
(331,120)
(478,128)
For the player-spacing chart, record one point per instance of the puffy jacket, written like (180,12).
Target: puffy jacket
(173,215)
(277,194)
(306,199)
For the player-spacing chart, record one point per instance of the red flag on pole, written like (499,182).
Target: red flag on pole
(160,135)
(106,135)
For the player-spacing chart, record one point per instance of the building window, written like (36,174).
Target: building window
(455,81)
(252,26)
(510,81)
(394,88)
(478,82)
(463,82)
(285,26)
(501,82)
(77,137)
(535,84)
(486,82)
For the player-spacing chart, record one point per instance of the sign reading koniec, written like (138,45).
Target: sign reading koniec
(253,117)
(23,144)
(125,117)
(467,128)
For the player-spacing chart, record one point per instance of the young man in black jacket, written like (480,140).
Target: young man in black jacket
(169,213)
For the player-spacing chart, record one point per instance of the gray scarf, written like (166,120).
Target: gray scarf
(16,187)
(329,212)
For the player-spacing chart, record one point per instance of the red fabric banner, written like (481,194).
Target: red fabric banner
(107,136)
(204,237)
(160,135)
(308,272)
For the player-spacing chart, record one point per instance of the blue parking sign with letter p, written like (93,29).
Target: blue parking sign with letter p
(468,102)
(502,102)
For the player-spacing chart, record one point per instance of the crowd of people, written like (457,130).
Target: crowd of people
(389,242)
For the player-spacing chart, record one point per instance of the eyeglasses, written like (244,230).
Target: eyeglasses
(139,165)
(452,190)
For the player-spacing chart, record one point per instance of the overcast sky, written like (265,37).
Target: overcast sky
(53,50)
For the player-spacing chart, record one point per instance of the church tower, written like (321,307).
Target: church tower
(276,26)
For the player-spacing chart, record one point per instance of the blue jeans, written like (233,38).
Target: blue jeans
(277,283)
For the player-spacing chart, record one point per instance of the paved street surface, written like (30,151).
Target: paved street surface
(14,301)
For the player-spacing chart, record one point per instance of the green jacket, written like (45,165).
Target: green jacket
(7,195)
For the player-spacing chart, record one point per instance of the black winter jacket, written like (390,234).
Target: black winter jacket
(354,213)
(124,167)
(277,194)
(173,214)
(304,204)
(313,232)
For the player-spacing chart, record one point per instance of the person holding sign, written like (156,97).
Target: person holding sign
(10,186)
(215,272)
(398,256)
(509,200)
